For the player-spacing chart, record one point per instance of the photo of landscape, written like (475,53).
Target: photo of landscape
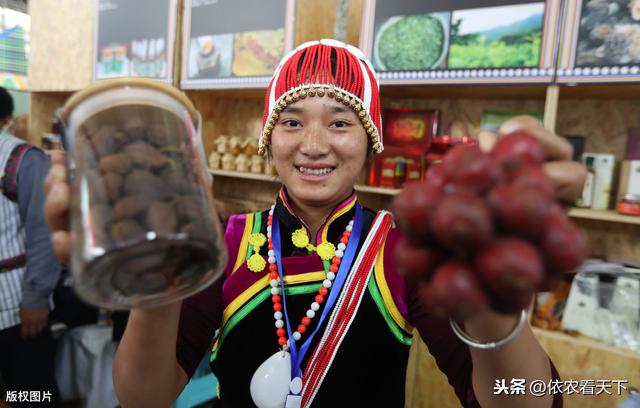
(496,37)
(609,33)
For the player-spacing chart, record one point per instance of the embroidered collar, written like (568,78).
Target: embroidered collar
(331,228)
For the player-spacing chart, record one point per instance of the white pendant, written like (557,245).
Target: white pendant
(293,401)
(270,383)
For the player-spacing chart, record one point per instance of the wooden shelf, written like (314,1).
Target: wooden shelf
(244,175)
(603,215)
(435,91)
(600,91)
(239,93)
(448,91)
(583,213)
(275,179)
(584,341)
(377,190)
(440,91)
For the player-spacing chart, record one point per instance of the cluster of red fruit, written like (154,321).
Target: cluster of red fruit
(484,230)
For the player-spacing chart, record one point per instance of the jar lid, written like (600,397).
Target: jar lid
(633,198)
(133,82)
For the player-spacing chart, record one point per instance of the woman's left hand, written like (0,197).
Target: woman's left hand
(566,175)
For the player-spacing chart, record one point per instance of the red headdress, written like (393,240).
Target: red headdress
(319,68)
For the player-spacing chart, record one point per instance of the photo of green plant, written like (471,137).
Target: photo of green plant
(497,37)
(412,42)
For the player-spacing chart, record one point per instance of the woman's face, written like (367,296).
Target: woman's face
(319,147)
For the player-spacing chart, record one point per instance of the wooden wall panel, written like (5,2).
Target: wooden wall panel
(604,122)
(237,114)
(43,106)
(427,386)
(575,359)
(354,21)
(585,359)
(611,240)
(250,196)
(61,46)
(466,110)
(315,19)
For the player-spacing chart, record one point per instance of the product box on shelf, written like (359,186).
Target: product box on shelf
(408,133)
(395,166)
(604,303)
(601,169)
(628,198)
(410,128)
(629,178)
(632,152)
(586,198)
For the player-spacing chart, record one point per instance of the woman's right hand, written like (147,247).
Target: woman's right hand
(56,206)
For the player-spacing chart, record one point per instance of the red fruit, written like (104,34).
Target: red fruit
(556,214)
(454,291)
(517,149)
(550,282)
(533,177)
(513,305)
(435,177)
(416,262)
(563,246)
(413,207)
(510,267)
(521,210)
(467,168)
(462,221)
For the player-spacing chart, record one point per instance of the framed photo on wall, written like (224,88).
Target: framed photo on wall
(601,42)
(234,44)
(135,38)
(461,41)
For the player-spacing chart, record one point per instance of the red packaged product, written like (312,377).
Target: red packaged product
(387,173)
(408,127)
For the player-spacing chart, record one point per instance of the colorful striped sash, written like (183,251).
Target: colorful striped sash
(345,309)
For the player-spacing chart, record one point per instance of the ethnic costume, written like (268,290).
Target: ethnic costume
(324,322)
(370,364)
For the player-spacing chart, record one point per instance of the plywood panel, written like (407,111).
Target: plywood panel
(586,360)
(315,19)
(575,359)
(43,106)
(354,22)
(61,54)
(427,386)
(227,115)
(236,196)
(465,110)
(611,240)
(604,122)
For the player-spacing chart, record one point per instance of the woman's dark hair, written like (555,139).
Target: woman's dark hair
(6,103)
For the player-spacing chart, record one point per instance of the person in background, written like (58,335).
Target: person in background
(20,128)
(29,269)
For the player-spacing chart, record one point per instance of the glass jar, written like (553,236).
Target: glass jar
(629,205)
(143,227)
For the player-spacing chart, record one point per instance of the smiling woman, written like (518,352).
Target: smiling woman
(312,310)
(319,147)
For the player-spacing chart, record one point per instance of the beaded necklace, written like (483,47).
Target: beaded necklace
(278,380)
(327,252)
